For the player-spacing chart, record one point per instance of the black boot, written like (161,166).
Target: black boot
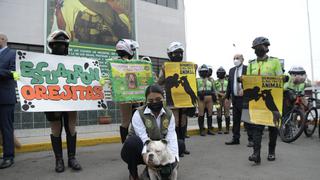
(272,154)
(72,145)
(201,125)
(227,125)
(255,157)
(209,123)
(123,133)
(57,149)
(219,121)
(183,132)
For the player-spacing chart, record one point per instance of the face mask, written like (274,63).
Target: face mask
(203,74)
(176,57)
(237,62)
(260,51)
(221,75)
(155,107)
(60,49)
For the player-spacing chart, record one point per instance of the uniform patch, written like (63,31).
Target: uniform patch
(165,123)
(148,124)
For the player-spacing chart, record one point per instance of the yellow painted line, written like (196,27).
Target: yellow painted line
(46,146)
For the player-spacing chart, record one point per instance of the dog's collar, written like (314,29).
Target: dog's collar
(162,169)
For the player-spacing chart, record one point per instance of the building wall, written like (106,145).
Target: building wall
(157,26)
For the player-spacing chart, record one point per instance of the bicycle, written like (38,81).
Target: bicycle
(293,121)
(311,118)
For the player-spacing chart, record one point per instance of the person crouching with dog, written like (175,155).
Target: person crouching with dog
(152,122)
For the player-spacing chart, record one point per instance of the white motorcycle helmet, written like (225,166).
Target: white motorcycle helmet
(58,36)
(126,47)
(298,74)
(175,51)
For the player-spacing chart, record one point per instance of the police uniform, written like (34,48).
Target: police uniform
(205,92)
(268,67)
(221,87)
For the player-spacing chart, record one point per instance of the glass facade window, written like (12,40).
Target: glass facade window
(166,3)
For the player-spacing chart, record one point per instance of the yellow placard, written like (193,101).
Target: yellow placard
(262,101)
(180,84)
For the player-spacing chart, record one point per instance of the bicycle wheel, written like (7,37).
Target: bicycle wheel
(311,120)
(292,126)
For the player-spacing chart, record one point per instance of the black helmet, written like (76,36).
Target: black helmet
(221,73)
(260,40)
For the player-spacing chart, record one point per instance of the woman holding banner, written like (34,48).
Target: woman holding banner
(175,53)
(126,49)
(58,43)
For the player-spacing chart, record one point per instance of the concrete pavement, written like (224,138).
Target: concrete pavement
(209,159)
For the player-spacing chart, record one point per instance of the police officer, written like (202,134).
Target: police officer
(126,48)
(58,43)
(205,93)
(263,65)
(175,53)
(221,85)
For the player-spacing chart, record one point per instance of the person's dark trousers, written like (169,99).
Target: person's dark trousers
(131,154)
(236,118)
(249,131)
(257,131)
(6,127)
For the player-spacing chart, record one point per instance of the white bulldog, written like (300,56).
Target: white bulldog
(165,166)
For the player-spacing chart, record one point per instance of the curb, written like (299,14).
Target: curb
(46,146)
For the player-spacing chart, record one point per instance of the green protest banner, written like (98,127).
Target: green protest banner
(129,79)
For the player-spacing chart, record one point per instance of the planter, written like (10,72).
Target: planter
(105,120)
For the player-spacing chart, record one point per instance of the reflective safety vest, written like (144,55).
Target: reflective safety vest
(296,87)
(221,85)
(154,132)
(268,67)
(204,85)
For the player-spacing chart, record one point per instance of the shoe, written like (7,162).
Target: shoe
(233,142)
(59,165)
(226,132)
(186,152)
(181,155)
(271,157)
(219,132)
(203,132)
(186,136)
(6,163)
(250,144)
(210,132)
(255,158)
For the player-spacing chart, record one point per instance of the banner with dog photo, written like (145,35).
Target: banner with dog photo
(180,84)
(129,79)
(58,83)
(262,99)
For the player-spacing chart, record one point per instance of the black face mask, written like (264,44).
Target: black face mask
(60,49)
(176,56)
(155,107)
(260,51)
(203,74)
(122,54)
(221,75)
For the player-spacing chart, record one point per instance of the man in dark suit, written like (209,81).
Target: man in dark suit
(235,92)
(8,100)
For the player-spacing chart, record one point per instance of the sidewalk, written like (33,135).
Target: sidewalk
(33,140)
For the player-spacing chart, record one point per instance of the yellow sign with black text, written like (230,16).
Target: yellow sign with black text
(180,84)
(262,99)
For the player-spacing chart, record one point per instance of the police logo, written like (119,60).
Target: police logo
(148,124)
(165,123)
